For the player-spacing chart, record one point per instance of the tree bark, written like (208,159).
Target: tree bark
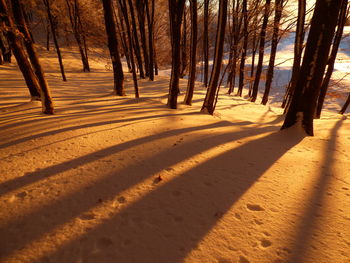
(193,53)
(47,104)
(150,22)
(332,57)
(176,8)
(261,51)
(318,45)
(206,42)
(113,47)
(19,53)
(346,104)
(244,48)
(270,70)
(209,101)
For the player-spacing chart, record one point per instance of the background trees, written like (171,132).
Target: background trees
(142,33)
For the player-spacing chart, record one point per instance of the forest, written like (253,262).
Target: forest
(174,131)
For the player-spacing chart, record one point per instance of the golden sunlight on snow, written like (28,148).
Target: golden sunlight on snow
(118,179)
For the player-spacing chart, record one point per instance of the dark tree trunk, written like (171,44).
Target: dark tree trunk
(54,36)
(332,57)
(276,25)
(150,22)
(19,53)
(124,9)
(140,7)
(206,42)
(176,8)
(74,17)
(209,101)
(136,40)
(5,48)
(48,36)
(184,46)
(343,109)
(47,104)
(298,49)
(193,53)
(244,48)
(113,47)
(319,41)
(261,52)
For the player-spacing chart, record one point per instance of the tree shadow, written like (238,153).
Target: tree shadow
(142,232)
(310,218)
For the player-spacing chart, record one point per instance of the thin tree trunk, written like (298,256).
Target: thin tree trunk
(206,42)
(113,47)
(261,52)
(244,48)
(124,9)
(54,36)
(140,8)
(48,36)
(19,53)
(269,75)
(150,22)
(209,101)
(47,104)
(176,8)
(193,53)
(184,46)
(298,49)
(343,109)
(5,49)
(332,57)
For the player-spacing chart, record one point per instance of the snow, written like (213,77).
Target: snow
(119,179)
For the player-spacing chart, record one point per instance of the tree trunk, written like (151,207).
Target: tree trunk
(298,49)
(19,53)
(46,99)
(332,57)
(54,36)
(206,42)
(208,105)
(193,53)
(343,109)
(319,41)
(261,52)
(244,48)
(140,7)
(150,22)
(5,49)
(74,17)
(113,47)
(276,25)
(125,12)
(176,8)
(184,46)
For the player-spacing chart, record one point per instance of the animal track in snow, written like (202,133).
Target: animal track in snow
(265,243)
(254,207)
(243,259)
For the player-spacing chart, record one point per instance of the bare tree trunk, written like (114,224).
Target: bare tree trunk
(193,53)
(319,42)
(124,9)
(176,8)
(46,99)
(276,25)
(150,22)
(206,42)
(113,47)
(332,57)
(209,101)
(19,53)
(343,109)
(298,49)
(54,36)
(5,49)
(184,46)
(244,48)
(140,7)
(261,51)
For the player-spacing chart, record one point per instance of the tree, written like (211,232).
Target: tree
(244,48)
(150,22)
(345,106)
(261,51)
(209,101)
(118,74)
(54,36)
(193,53)
(78,32)
(275,36)
(19,53)
(176,8)
(304,99)
(33,56)
(332,57)
(206,42)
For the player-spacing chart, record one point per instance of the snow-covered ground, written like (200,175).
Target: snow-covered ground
(119,179)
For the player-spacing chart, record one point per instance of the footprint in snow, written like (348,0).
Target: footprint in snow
(254,207)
